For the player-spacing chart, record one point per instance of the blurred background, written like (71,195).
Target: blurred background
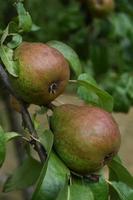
(104,43)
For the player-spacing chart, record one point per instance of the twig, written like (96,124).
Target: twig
(25,115)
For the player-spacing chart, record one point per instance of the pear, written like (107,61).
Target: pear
(85,137)
(43,73)
(101,8)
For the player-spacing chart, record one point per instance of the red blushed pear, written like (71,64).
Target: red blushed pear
(101,8)
(43,73)
(86,138)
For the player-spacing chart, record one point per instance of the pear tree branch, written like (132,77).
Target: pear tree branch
(25,115)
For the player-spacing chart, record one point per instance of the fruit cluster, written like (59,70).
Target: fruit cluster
(85,137)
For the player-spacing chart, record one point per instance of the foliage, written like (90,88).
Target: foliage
(107,44)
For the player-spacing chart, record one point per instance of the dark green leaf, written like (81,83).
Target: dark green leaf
(119,173)
(124,192)
(113,194)
(100,58)
(53,180)
(6,56)
(16,41)
(69,54)
(105,100)
(25,176)
(13,27)
(25,21)
(100,189)
(2,146)
(121,104)
(46,140)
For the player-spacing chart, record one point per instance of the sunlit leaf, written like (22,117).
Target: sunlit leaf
(11,135)
(16,41)
(6,56)
(69,54)
(25,21)
(5,34)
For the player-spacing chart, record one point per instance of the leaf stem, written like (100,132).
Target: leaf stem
(25,115)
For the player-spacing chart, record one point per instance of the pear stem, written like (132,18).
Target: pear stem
(51,106)
(25,115)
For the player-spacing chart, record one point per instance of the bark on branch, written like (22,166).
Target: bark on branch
(25,115)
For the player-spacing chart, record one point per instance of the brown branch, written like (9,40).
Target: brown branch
(25,115)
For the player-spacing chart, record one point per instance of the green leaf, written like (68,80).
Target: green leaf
(105,100)
(2,146)
(16,41)
(25,21)
(53,180)
(25,176)
(122,104)
(100,189)
(46,140)
(119,173)
(69,54)
(11,135)
(35,27)
(100,58)
(6,56)
(124,192)
(113,194)
(88,97)
(5,34)
(130,87)
(121,25)
(80,190)
(64,193)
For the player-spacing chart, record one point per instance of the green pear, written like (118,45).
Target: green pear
(43,73)
(85,137)
(101,8)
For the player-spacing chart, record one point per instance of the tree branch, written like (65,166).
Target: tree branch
(25,115)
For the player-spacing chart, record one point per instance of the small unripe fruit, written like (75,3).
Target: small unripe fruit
(43,73)
(101,8)
(85,137)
